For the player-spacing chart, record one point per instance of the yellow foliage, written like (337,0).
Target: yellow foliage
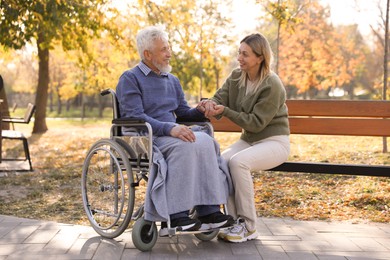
(316,55)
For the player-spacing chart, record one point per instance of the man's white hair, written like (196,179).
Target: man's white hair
(147,36)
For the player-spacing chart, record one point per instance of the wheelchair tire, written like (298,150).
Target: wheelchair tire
(108,196)
(207,236)
(142,240)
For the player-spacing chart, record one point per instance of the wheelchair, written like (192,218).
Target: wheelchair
(114,179)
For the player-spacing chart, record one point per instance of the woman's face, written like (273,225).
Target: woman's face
(248,60)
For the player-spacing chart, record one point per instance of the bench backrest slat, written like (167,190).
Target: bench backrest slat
(338,108)
(337,126)
(330,117)
(322,126)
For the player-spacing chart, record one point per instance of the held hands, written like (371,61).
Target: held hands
(210,108)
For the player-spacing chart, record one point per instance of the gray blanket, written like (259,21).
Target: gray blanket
(185,175)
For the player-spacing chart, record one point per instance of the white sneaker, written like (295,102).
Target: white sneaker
(238,233)
(223,232)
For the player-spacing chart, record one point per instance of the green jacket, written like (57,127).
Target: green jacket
(261,114)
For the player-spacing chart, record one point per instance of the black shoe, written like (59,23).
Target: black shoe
(182,224)
(216,220)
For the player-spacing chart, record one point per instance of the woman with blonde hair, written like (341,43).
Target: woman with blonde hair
(254,98)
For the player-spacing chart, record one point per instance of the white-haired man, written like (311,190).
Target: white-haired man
(193,174)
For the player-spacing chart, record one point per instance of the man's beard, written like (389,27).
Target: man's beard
(162,68)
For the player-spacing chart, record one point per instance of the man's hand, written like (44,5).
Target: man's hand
(183,132)
(201,107)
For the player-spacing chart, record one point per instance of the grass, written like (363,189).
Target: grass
(53,192)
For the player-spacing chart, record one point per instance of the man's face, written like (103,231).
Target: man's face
(160,56)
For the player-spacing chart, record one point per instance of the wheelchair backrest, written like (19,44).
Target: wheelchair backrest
(115,109)
(115,103)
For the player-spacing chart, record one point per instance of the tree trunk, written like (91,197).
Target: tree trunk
(59,100)
(278,43)
(43,86)
(51,109)
(277,49)
(4,105)
(385,65)
(67,105)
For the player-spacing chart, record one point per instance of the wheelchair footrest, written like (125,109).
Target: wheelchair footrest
(177,231)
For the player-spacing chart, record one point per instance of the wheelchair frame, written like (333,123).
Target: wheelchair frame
(112,171)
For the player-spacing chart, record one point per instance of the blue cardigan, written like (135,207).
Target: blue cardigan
(157,99)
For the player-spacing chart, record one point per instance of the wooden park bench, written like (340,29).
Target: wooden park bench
(331,117)
(17,135)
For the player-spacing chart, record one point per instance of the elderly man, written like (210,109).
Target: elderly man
(188,171)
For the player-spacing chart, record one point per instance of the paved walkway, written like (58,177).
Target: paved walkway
(279,239)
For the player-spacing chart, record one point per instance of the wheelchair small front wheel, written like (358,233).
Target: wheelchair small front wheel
(207,236)
(144,234)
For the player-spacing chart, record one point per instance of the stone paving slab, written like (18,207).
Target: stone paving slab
(279,239)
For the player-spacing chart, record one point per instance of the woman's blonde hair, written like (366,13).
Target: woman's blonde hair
(260,47)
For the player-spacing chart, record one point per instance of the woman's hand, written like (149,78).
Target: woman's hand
(218,109)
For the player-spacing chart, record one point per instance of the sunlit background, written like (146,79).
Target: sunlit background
(323,48)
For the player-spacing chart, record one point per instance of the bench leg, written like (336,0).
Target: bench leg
(27,152)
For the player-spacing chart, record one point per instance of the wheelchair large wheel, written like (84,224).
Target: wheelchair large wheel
(144,234)
(138,177)
(207,236)
(108,196)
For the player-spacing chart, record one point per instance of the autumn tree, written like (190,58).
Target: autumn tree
(385,64)
(315,56)
(3,94)
(63,71)
(4,104)
(19,73)
(87,75)
(198,36)
(377,62)
(382,34)
(306,55)
(42,22)
(103,70)
(8,76)
(386,54)
(285,12)
(351,47)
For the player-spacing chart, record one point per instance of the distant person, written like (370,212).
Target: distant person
(191,172)
(254,98)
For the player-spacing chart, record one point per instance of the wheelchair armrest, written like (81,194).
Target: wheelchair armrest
(105,92)
(129,125)
(126,120)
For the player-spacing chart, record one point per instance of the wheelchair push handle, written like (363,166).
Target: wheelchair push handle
(106,92)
